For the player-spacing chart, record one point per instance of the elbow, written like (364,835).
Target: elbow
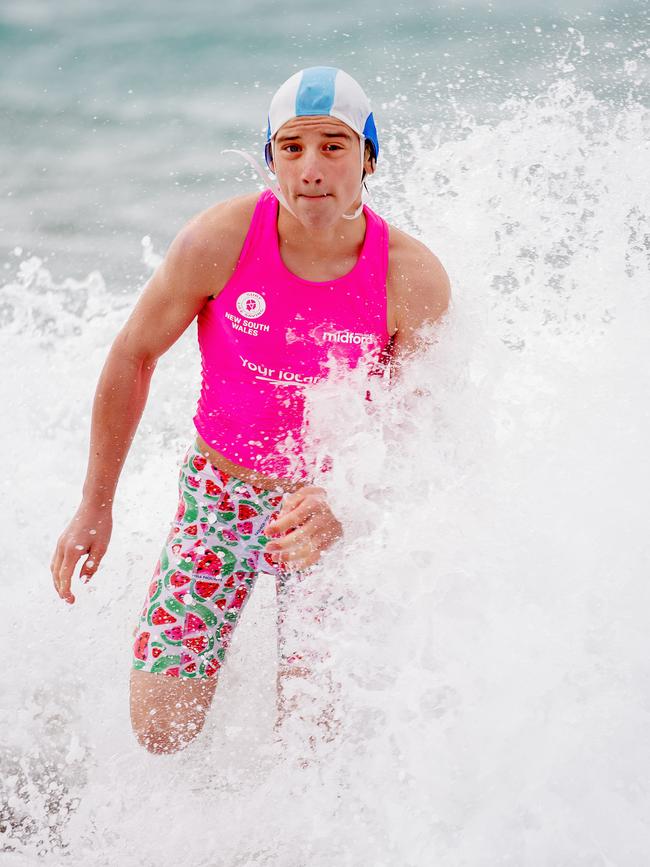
(132,352)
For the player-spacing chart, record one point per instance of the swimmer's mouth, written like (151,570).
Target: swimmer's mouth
(319,196)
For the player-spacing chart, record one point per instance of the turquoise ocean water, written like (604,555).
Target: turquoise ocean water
(492,658)
(115,115)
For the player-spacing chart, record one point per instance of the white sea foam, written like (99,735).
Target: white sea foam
(490,651)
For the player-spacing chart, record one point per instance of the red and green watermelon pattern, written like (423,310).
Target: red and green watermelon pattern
(206,571)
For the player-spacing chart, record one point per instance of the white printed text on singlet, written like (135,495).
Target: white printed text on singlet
(246,326)
(252,328)
(280,377)
(347,337)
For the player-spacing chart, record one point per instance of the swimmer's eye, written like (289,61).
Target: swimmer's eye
(328,146)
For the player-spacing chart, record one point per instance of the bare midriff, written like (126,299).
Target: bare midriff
(270,483)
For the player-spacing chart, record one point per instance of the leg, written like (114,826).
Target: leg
(316,706)
(201,584)
(286,704)
(326,722)
(290,665)
(167,713)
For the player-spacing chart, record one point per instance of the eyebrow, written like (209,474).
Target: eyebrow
(342,134)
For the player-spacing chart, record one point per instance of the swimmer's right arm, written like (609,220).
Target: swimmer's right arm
(168,304)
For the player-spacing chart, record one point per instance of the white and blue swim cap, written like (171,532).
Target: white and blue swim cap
(318,90)
(322,90)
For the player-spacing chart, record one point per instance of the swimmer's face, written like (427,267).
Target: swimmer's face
(318,166)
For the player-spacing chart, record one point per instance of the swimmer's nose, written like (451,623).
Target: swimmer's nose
(312,174)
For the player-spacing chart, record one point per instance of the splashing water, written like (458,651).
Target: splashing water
(482,625)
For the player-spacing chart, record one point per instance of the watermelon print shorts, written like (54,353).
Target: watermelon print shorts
(206,571)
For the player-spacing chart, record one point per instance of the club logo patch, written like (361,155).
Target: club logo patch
(251,305)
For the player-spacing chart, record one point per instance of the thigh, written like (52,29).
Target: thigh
(206,572)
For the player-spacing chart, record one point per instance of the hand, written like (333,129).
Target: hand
(89,532)
(305,527)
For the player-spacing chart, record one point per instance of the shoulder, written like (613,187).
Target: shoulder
(412,266)
(418,283)
(207,247)
(222,222)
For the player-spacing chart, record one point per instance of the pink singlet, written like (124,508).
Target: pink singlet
(268,335)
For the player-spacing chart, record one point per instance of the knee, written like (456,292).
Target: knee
(166,738)
(167,713)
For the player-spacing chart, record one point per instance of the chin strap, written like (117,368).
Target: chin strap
(364,195)
(274,186)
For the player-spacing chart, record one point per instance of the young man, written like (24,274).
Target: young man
(281,282)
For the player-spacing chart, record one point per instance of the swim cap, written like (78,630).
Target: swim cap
(322,90)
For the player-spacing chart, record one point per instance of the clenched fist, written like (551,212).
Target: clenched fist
(304,528)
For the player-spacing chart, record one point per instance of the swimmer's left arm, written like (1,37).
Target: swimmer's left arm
(422,292)
(306,525)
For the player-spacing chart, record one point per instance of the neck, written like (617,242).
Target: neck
(322,241)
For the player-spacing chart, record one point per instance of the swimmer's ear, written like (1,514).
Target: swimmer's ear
(369,163)
(268,154)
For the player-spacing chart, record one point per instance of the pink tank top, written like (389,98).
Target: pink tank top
(269,334)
